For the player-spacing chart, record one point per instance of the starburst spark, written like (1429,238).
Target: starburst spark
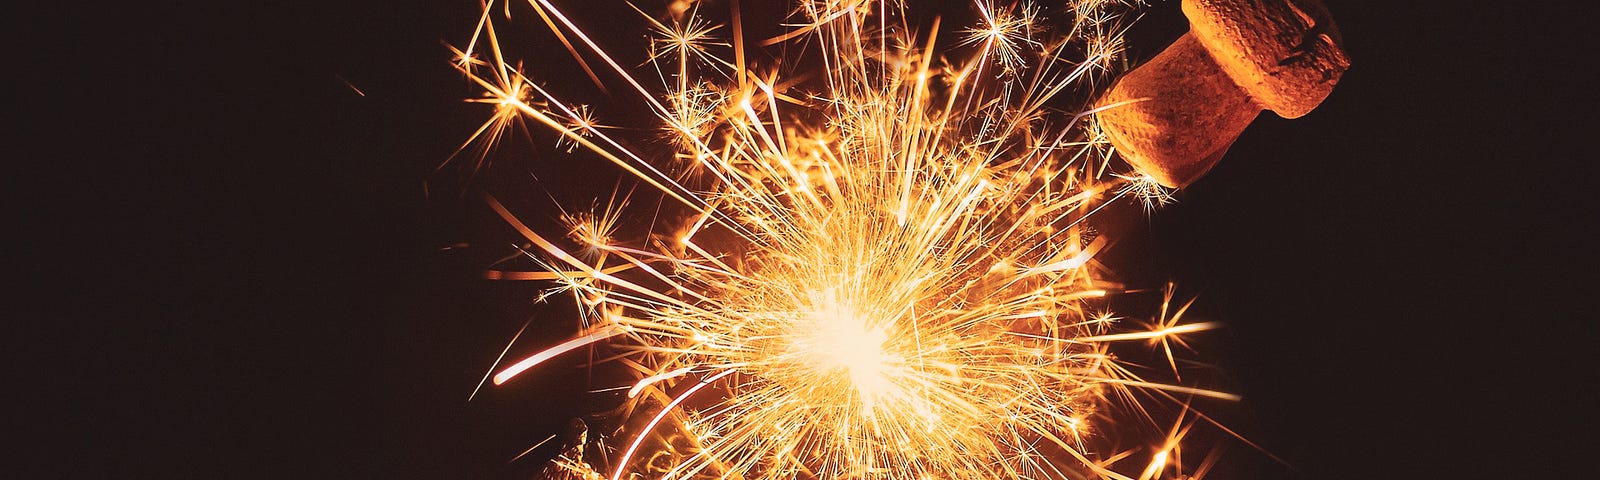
(888,270)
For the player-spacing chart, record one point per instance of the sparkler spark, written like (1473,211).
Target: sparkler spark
(888,272)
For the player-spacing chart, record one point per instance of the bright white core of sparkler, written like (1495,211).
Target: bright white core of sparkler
(843,340)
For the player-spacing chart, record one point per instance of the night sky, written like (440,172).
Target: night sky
(228,264)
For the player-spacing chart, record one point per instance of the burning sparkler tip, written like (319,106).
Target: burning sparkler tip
(888,270)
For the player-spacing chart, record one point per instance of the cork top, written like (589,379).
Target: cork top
(1285,53)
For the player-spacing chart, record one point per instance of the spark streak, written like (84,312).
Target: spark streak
(567,346)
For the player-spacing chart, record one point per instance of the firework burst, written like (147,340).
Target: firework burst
(888,270)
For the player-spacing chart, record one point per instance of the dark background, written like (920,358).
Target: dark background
(226,267)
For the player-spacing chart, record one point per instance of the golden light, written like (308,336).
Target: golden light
(888,270)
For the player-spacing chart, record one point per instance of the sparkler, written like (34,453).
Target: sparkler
(889,270)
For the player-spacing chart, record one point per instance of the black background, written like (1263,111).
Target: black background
(225,264)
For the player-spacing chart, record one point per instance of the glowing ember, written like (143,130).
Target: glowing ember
(888,267)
